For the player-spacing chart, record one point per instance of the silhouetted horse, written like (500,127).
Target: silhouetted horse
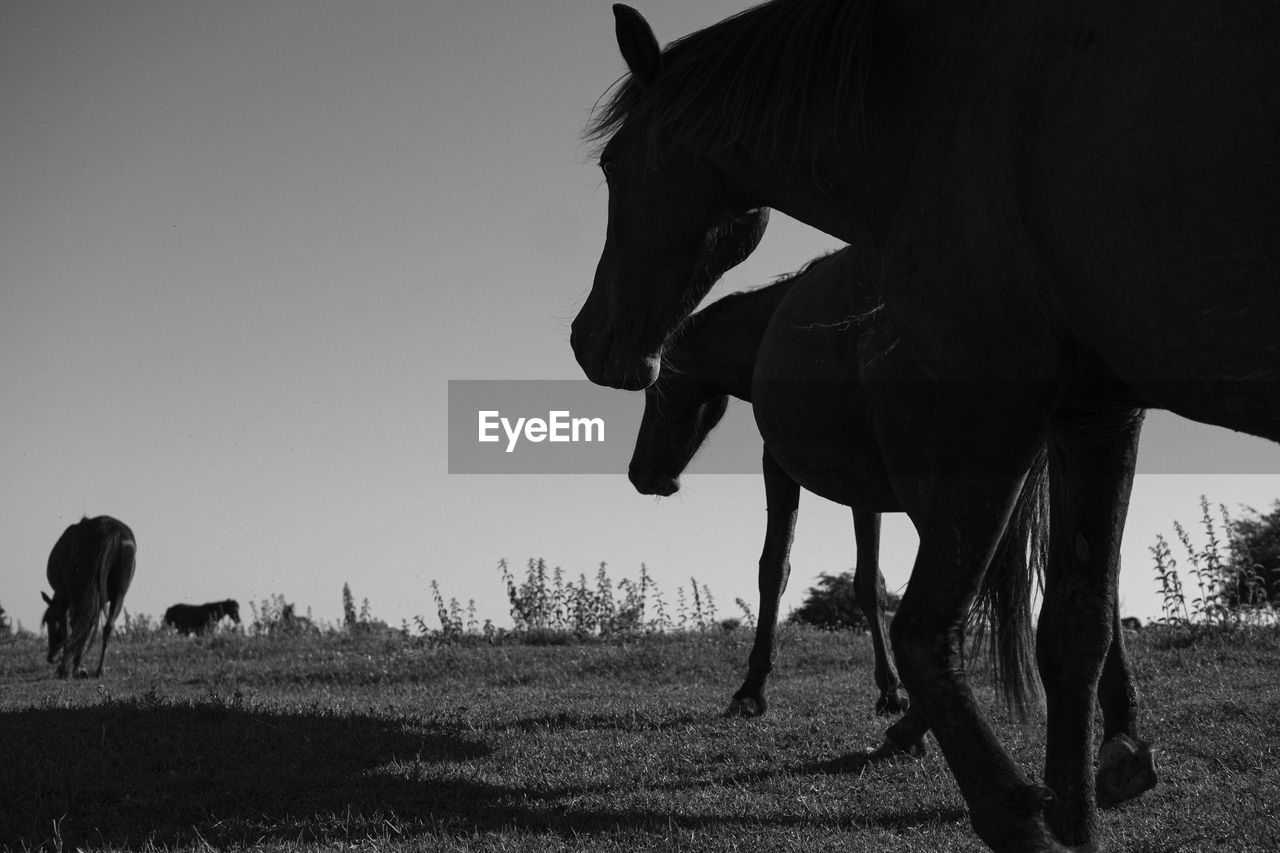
(787,348)
(1069,212)
(90,568)
(710,359)
(200,618)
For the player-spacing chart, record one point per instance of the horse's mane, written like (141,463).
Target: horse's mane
(784,69)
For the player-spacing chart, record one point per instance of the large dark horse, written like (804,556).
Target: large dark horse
(90,568)
(1072,214)
(717,355)
(199,619)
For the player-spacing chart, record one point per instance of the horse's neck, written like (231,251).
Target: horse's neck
(726,343)
(850,184)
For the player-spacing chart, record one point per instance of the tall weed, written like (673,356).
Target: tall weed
(1224,596)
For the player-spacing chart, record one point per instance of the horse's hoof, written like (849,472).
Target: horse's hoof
(894,702)
(1126,769)
(891,751)
(81,673)
(746,706)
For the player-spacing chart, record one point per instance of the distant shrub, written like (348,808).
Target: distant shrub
(1230,590)
(832,605)
(1255,555)
(140,626)
(359,621)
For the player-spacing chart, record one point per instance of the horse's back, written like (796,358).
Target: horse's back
(73,559)
(1117,203)
(1174,178)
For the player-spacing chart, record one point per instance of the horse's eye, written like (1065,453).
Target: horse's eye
(609,168)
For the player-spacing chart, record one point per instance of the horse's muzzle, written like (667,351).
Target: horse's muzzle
(597,356)
(647,484)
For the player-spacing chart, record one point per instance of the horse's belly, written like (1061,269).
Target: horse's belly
(820,436)
(808,401)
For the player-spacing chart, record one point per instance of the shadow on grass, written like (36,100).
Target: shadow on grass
(140,774)
(129,773)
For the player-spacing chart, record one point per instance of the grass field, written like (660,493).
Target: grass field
(384,743)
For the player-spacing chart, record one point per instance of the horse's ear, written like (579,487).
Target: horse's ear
(47,599)
(637,42)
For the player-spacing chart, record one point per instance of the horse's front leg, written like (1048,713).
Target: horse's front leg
(1092,461)
(782,496)
(868,586)
(77,668)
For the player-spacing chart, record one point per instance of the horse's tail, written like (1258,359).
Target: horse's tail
(1001,614)
(93,597)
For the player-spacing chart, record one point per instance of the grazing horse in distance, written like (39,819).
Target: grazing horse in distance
(90,569)
(290,622)
(199,619)
(1070,211)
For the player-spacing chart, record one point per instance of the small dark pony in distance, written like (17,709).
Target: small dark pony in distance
(291,623)
(716,355)
(90,569)
(199,619)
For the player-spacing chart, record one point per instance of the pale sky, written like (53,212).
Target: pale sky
(245,245)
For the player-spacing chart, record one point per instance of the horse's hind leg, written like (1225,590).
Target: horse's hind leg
(868,586)
(782,496)
(1126,763)
(118,580)
(1092,461)
(107,630)
(958,458)
(956,539)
